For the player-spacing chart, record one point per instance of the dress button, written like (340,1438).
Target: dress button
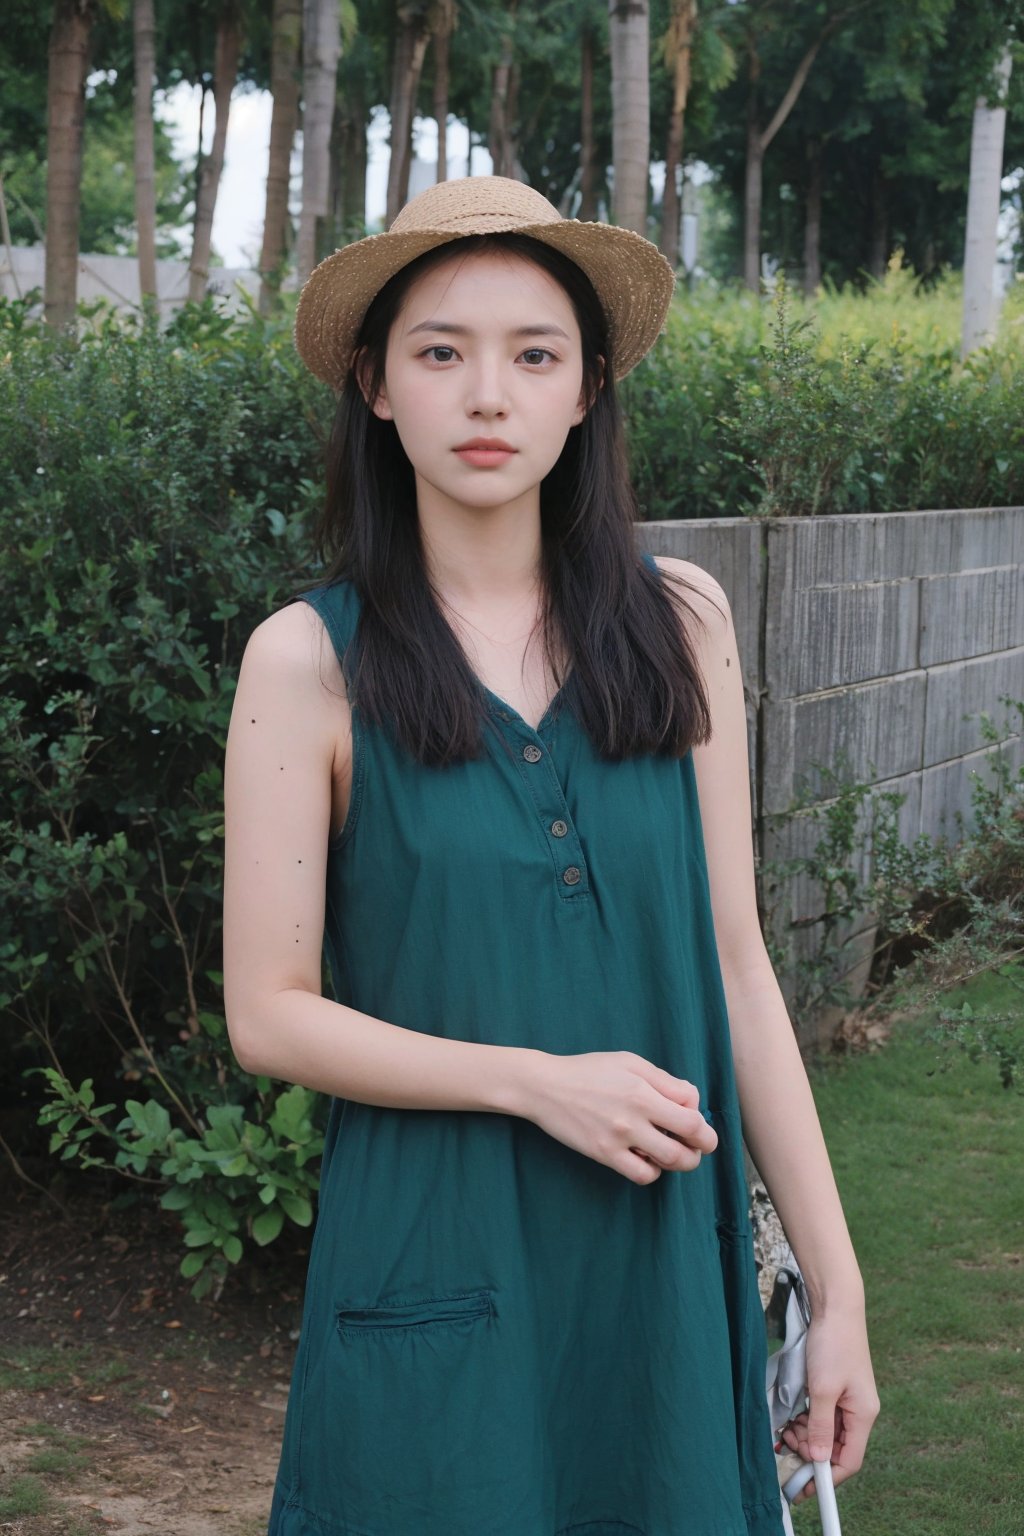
(559,828)
(532,754)
(571,876)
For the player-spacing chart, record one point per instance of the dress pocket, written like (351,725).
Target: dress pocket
(425,1312)
(417,1413)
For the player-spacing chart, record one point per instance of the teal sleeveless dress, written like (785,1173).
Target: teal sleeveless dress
(500,1335)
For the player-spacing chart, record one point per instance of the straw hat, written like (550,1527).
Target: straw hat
(632,279)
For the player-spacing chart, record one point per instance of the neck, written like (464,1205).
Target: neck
(482,558)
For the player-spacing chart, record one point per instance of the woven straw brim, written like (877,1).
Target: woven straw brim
(631,277)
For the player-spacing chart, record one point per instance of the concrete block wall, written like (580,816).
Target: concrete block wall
(869,644)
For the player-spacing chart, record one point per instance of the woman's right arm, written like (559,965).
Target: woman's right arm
(287,728)
(287,735)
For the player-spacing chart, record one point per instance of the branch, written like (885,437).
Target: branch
(803,69)
(19,1170)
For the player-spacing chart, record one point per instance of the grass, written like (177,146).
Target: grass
(37,1367)
(928,1151)
(25,1495)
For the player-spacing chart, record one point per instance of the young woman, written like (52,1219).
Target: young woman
(496,761)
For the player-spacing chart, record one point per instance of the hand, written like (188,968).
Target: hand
(622,1111)
(844,1402)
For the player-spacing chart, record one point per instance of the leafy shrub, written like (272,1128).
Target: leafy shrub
(945,909)
(845,404)
(159,491)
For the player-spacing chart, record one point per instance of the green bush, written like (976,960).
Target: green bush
(946,909)
(158,497)
(793,408)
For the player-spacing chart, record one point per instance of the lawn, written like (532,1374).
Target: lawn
(928,1150)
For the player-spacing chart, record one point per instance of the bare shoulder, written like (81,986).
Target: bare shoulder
(702,592)
(292,648)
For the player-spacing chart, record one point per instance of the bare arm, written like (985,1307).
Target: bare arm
(288,731)
(780,1122)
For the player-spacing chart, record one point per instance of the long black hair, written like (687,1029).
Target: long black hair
(633,678)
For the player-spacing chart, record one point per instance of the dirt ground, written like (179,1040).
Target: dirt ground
(126,1406)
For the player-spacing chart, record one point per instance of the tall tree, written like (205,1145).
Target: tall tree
(321,50)
(987,133)
(588,191)
(443,22)
(678,51)
(411,39)
(285,45)
(227,49)
(759,138)
(70,34)
(629,34)
(501,139)
(144,36)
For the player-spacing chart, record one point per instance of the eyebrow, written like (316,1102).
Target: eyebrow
(448,329)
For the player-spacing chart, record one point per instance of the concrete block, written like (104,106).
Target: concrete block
(847,634)
(957,694)
(871,731)
(970,613)
(946,789)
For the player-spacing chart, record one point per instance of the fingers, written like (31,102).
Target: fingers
(823,1426)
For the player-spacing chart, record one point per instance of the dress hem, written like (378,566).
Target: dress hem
(763,1519)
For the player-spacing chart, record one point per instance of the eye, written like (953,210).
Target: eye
(535,356)
(437,350)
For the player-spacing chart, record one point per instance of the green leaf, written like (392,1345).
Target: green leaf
(199,1237)
(232,1247)
(192,1263)
(267,1225)
(178,1198)
(298,1207)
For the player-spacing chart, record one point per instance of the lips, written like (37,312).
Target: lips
(485,452)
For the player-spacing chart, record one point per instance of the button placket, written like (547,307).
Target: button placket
(538,769)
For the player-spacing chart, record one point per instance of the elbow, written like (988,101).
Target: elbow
(246,1045)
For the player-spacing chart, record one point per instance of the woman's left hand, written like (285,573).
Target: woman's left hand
(844,1402)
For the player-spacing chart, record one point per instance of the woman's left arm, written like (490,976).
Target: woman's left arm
(780,1122)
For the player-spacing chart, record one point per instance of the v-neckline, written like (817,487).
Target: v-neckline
(503,707)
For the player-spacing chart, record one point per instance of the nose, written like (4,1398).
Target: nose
(487,395)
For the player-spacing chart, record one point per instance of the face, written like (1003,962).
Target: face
(483,378)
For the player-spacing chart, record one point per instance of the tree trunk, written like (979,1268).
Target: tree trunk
(681,29)
(812,219)
(878,251)
(444,25)
(348,165)
(286,37)
(321,50)
(629,35)
(145,180)
(504,90)
(407,66)
(227,49)
(753,185)
(65,127)
(983,191)
(588,195)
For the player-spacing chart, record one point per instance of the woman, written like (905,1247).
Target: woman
(496,761)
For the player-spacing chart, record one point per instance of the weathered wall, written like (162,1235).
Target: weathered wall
(865,641)
(117,278)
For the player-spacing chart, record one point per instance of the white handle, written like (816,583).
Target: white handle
(824,1487)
